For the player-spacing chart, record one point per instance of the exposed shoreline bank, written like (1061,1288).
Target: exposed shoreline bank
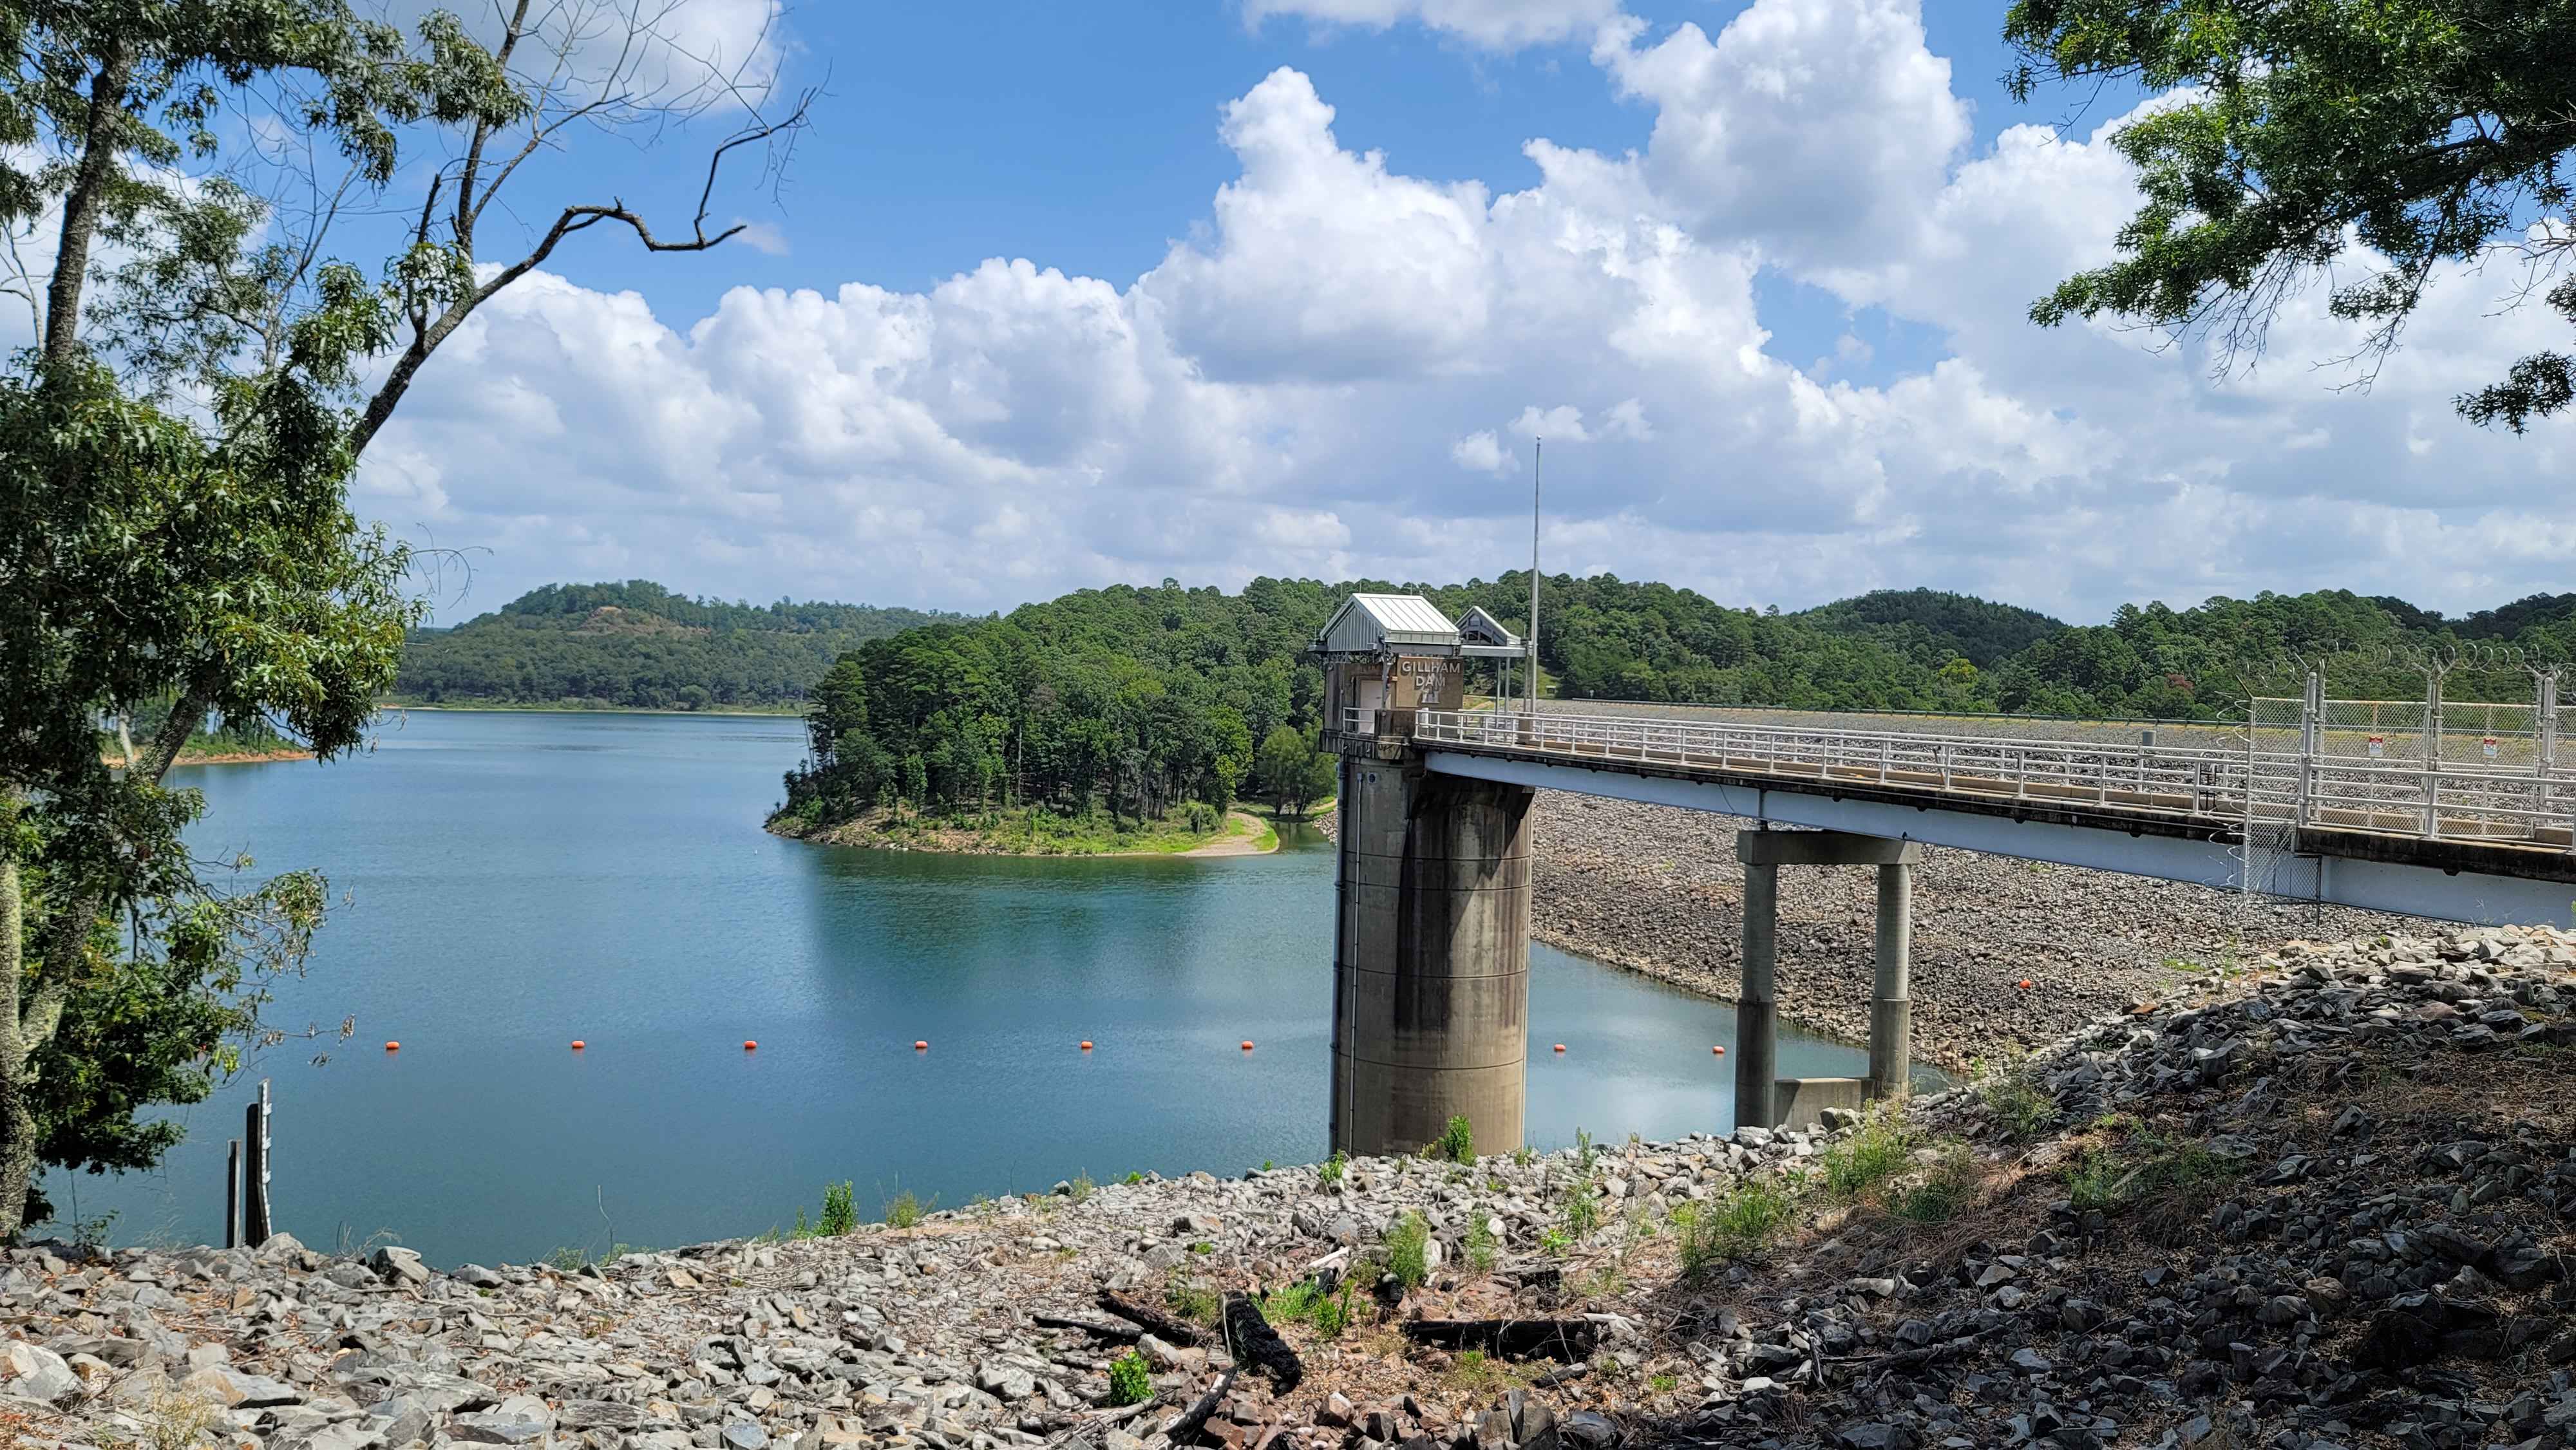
(494,707)
(223,757)
(1245,834)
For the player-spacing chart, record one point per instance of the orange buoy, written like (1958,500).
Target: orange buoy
(921,1047)
(393,1047)
(2023,984)
(1717,1052)
(1560,1047)
(1247,1046)
(1086,1047)
(578,1044)
(750,1046)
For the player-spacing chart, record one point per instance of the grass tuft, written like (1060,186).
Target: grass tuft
(2021,1107)
(1407,1244)
(1867,1158)
(1735,1227)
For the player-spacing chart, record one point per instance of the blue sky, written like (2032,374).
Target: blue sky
(1084,137)
(1055,296)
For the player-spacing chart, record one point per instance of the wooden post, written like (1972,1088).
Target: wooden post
(232,1193)
(254,1177)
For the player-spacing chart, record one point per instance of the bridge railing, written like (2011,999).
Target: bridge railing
(2479,802)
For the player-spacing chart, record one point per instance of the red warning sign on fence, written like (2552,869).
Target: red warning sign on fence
(2378,746)
(2491,747)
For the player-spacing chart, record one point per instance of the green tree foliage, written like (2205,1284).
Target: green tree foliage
(1292,772)
(2365,142)
(197,561)
(641,646)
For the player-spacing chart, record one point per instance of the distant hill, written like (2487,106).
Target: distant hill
(637,645)
(1936,625)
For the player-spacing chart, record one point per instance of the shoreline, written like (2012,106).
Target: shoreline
(223,757)
(788,712)
(1247,834)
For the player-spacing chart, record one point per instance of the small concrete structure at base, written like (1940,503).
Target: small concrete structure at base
(1760,1098)
(1801,1102)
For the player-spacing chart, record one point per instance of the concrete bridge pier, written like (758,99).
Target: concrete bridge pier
(1761,1097)
(1431,955)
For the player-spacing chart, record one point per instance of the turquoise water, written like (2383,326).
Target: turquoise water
(513,881)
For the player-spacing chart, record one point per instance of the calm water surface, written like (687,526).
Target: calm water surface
(515,881)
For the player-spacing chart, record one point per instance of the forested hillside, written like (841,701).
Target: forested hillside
(1137,701)
(638,645)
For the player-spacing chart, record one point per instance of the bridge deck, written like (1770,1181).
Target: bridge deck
(2509,823)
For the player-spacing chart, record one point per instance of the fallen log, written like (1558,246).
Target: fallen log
(1162,1326)
(1571,1340)
(1189,1421)
(1252,1341)
(1121,1333)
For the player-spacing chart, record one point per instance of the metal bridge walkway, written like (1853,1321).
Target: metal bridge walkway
(2486,843)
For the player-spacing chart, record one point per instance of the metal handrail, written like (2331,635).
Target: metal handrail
(2500,804)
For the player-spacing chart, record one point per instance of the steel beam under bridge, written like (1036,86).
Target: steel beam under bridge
(2344,867)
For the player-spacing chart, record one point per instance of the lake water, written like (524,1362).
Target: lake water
(514,881)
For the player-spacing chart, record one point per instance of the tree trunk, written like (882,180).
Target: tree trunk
(80,207)
(17,1118)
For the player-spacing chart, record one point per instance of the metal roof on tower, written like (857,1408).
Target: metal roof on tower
(1369,624)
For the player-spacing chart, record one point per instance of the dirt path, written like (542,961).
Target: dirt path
(1245,842)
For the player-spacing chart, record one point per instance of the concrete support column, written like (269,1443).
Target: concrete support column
(1757,1008)
(1760,1098)
(1891,1011)
(1431,958)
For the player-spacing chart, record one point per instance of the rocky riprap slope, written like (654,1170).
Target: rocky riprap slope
(2335,1213)
(1657,889)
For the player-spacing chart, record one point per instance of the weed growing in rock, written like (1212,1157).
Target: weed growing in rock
(840,1211)
(171,1421)
(1584,1152)
(1523,1156)
(1193,1301)
(1581,1210)
(1554,1241)
(1867,1157)
(1082,1187)
(1945,1191)
(1407,1256)
(2143,1166)
(1478,1375)
(1480,1245)
(1663,1384)
(1457,1144)
(1737,1226)
(1131,1380)
(2021,1107)
(1330,1171)
(904,1210)
(1305,1303)
(1135,1177)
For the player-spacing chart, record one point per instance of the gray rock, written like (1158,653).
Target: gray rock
(598,1415)
(33,1372)
(744,1435)
(397,1265)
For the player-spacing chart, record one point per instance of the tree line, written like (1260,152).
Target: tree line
(637,645)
